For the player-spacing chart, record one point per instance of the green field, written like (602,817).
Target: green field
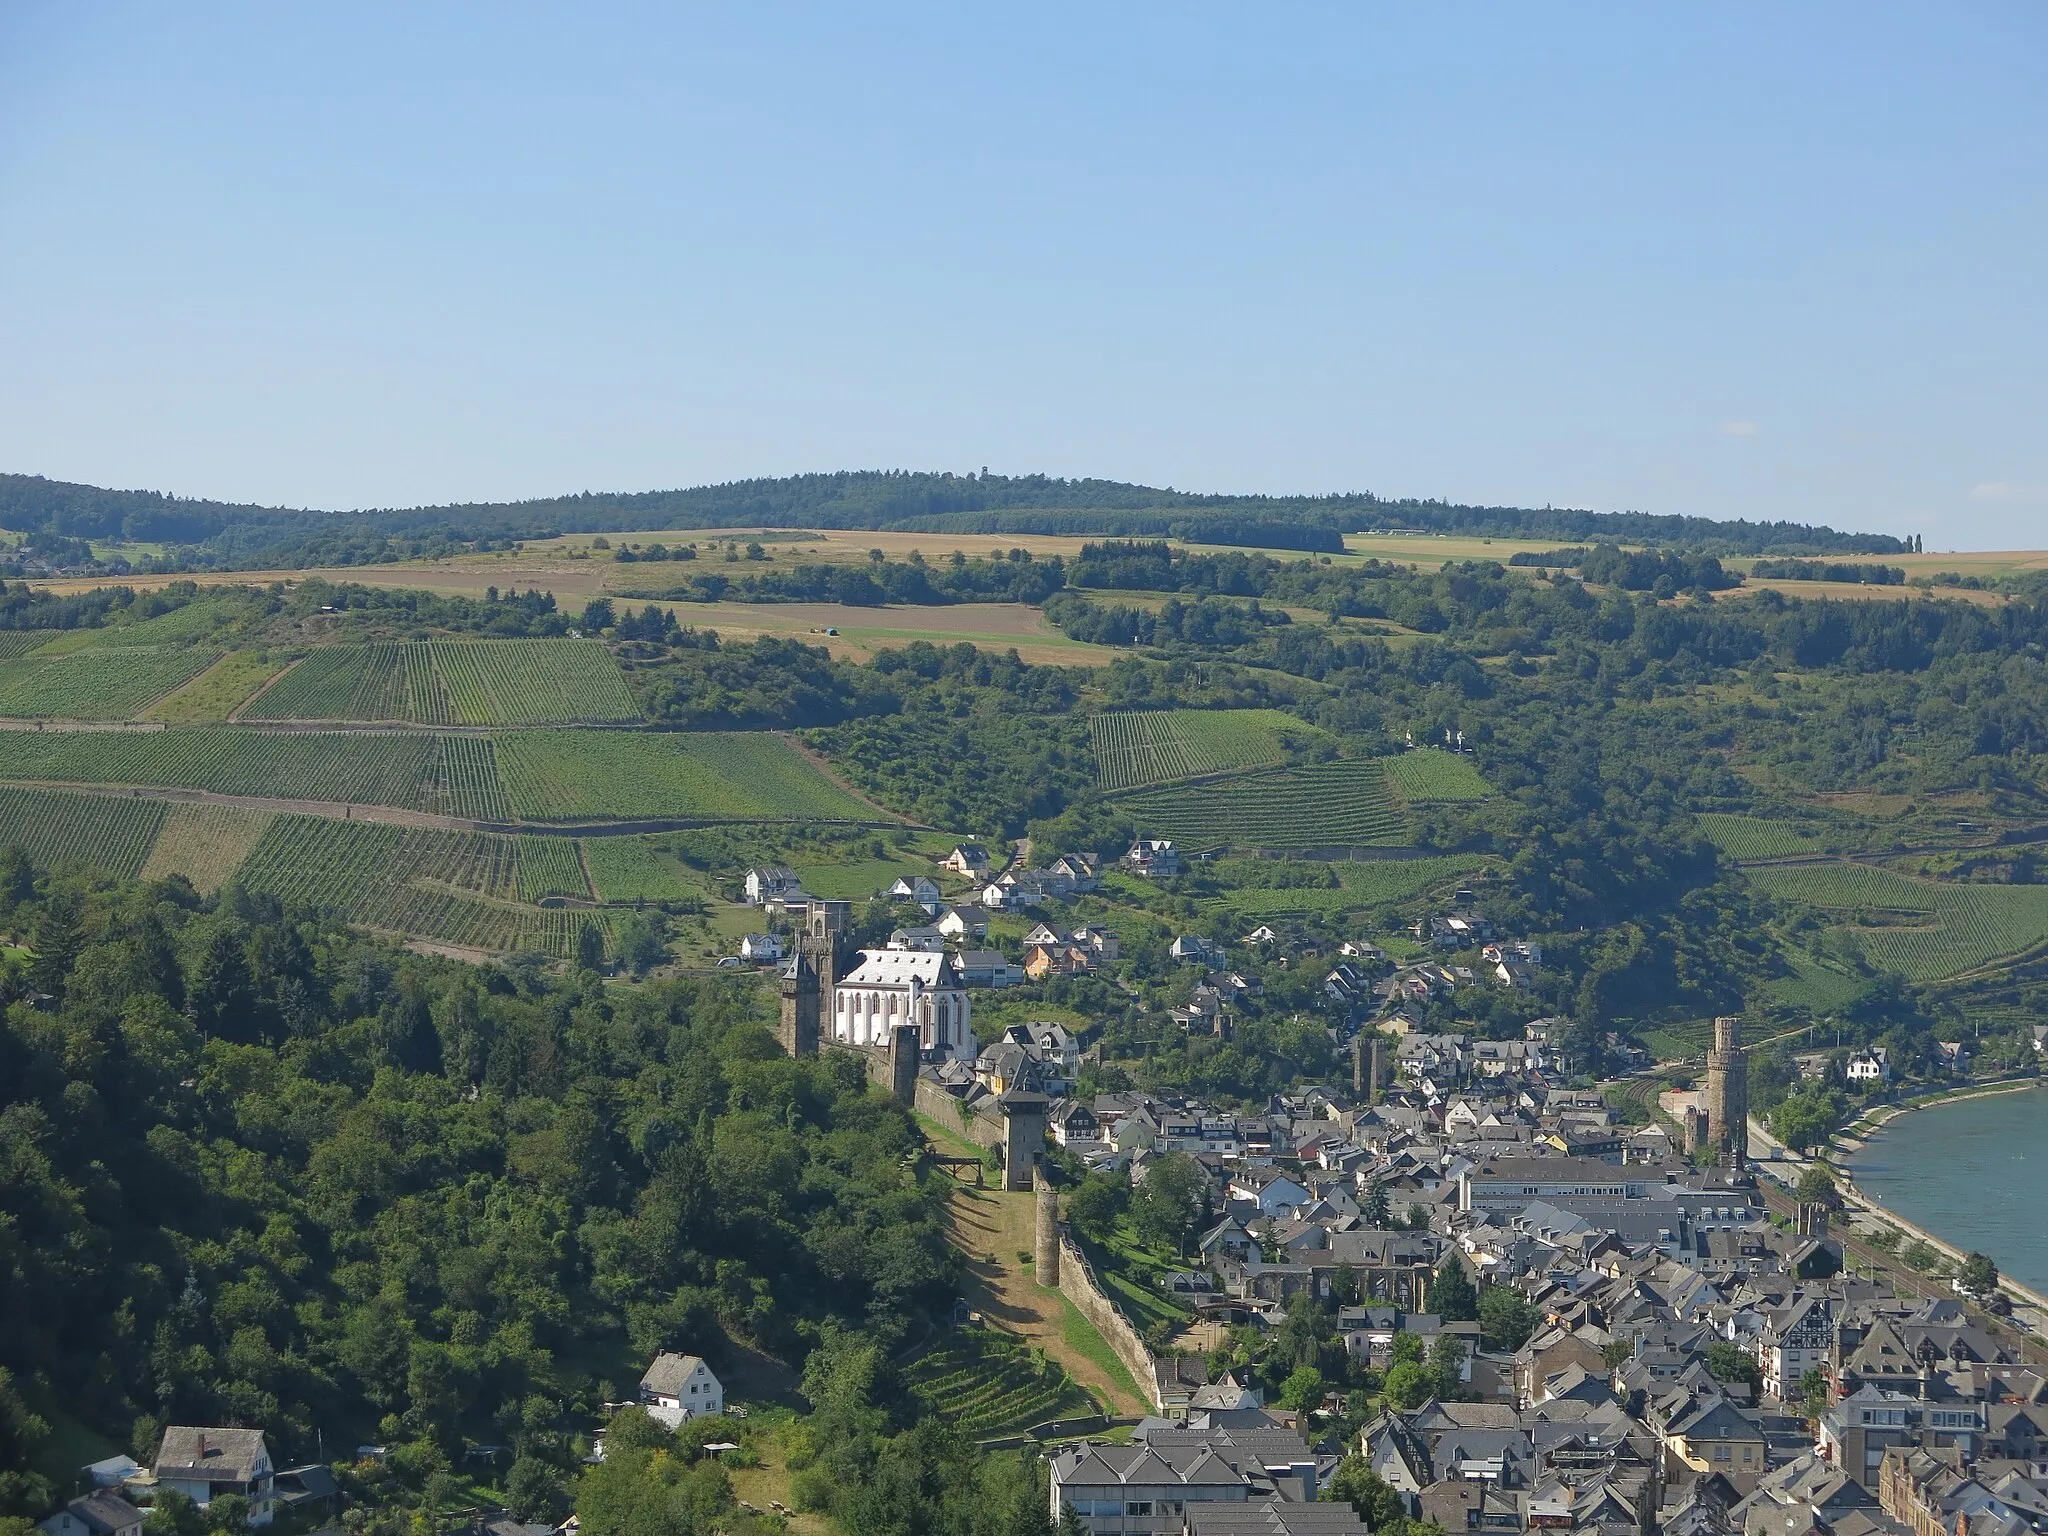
(110,683)
(1759,837)
(453,682)
(19,642)
(985,1383)
(412,770)
(205,843)
(1432,774)
(106,832)
(1922,929)
(631,775)
(1362,883)
(1342,803)
(1813,986)
(551,866)
(631,869)
(1154,747)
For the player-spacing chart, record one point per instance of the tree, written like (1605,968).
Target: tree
(1447,1365)
(1378,1209)
(1451,1297)
(1303,1389)
(1506,1318)
(1726,1362)
(1817,1186)
(1978,1275)
(590,947)
(1813,1392)
(1409,1384)
(1168,1203)
(533,1491)
(1097,1202)
(1920,1255)
(1371,1496)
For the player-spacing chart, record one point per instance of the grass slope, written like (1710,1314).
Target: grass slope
(205,843)
(1432,774)
(709,776)
(453,682)
(1317,805)
(1155,747)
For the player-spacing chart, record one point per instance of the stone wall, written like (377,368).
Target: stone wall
(1078,1285)
(933,1100)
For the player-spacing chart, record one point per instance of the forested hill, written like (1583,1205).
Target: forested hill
(220,534)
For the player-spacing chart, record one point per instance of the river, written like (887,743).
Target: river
(1974,1172)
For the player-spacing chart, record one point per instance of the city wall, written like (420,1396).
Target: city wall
(1078,1285)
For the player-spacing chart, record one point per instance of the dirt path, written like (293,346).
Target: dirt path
(992,1227)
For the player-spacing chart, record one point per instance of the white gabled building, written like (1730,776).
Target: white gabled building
(904,986)
(679,1387)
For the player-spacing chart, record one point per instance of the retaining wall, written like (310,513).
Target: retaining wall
(933,1100)
(1079,1285)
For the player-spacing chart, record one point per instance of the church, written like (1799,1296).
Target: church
(905,986)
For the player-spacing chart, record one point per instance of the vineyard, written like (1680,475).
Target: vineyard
(1757,837)
(984,1384)
(19,642)
(412,770)
(629,869)
(205,843)
(551,866)
(1922,929)
(214,693)
(453,682)
(1432,774)
(709,776)
(1813,986)
(1133,750)
(102,832)
(1317,805)
(110,683)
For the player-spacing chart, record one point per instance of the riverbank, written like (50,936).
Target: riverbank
(1965,1175)
(1855,1136)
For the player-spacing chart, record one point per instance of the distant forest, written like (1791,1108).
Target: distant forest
(219,535)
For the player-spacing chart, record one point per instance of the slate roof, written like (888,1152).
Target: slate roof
(197,1453)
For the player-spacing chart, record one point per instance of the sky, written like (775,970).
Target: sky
(1743,259)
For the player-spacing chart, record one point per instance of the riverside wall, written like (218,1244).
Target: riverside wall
(1079,1285)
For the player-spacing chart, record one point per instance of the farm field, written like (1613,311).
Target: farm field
(110,683)
(205,843)
(106,832)
(1759,837)
(1362,883)
(1135,749)
(1814,986)
(706,776)
(986,1383)
(410,770)
(551,866)
(1432,774)
(453,682)
(214,693)
(1343,803)
(1922,929)
(19,642)
(632,869)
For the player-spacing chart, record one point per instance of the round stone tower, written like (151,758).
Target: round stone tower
(1048,1258)
(1728,1093)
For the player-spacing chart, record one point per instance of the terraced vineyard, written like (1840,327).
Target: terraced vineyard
(702,776)
(205,843)
(551,866)
(453,682)
(19,642)
(1814,986)
(412,770)
(109,683)
(457,887)
(1922,929)
(628,869)
(1343,803)
(1362,883)
(1432,774)
(1759,837)
(106,832)
(1155,747)
(985,1383)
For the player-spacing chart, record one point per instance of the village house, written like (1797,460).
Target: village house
(1869,1068)
(678,1387)
(204,1462)
(1153,858)
(761,946)
(962,923)
(989,968)
(99,1513)
(969,859)
(769,881)
(922,889)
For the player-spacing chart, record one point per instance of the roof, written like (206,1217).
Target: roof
(104,1512)
(670,1373)
(900,967)
(198,1453)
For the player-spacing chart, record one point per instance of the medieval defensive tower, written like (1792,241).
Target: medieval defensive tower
(822,954)
(1728,1093)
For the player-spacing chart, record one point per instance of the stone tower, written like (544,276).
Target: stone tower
(801,1005)
(1374,1075)
(1728,1093)
(1047,1262)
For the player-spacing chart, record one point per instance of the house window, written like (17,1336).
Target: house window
(1138,1507)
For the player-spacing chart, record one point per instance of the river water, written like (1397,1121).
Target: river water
(1974,1173)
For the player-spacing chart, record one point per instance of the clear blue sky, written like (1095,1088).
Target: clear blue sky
(1730,259)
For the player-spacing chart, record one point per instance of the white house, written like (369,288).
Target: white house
(761,946)
(922,889)
(99,1513)
(679,1387)
(1153,858)
(770,880)
(1870,1066)
(203,1462)
(962,923)
(1102,941)
(925,938)
(1041,935)
(989,968)
(904,986)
